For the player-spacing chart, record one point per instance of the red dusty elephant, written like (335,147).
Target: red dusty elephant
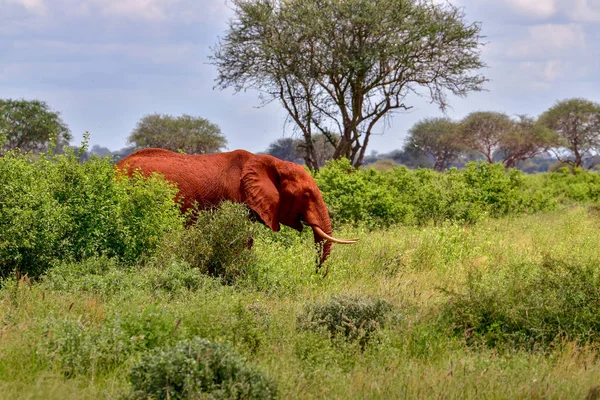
(278,192)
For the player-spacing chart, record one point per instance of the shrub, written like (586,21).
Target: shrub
(105,277)
(352,317)
(80,347)
(527,305)
(217,243)
(195,367)
(55,208)
(399,195)
(573,186)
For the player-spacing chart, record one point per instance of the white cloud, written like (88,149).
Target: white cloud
(546,71)
(152,10)
(33,6)
(535,8)
(550,40)
(584,10)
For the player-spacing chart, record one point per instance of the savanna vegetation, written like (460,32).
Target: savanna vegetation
(474,283)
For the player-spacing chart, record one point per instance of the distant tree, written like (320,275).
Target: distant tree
(193,135)
(100,151)
(436,137)
(122,153)
(483,131)
(285,149)
(410,158)
(30,126)
(577,123)
(323,147)
(295,150)
(343,66)
(525,140)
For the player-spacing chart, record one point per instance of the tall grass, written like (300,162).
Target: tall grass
(77,335)
(456,289)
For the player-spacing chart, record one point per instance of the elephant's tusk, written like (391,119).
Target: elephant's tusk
(320,232)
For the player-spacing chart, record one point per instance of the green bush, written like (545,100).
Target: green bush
(572,186)
(197,367)
(55,208)
(352,317)
(402,196)
(81,347)
(218,243)
(102,276)
(529,305)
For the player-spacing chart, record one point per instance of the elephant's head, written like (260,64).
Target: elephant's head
(282,192)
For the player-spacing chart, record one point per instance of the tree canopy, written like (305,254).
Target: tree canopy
(30,125)
(525,140)
(285,149)
(498,137)
(577,124)
(290,149)
(344,66)
(483,131)
(193,135)
(436,137)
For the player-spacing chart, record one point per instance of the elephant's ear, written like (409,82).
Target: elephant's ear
(260,183)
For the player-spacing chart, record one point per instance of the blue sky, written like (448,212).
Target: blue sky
(104,64)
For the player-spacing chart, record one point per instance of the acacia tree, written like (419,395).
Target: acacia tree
(193,135)
(290,149)
(30,126)
(577,124)
(285,149)
(322,148)
(483,131)
(343,66)
(525,140)
(436,137)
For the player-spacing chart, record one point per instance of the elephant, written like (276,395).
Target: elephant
(277,192)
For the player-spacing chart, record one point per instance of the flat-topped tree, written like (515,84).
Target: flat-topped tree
(30,125)
(436,137)
(190,134)
(343,66)
(577,124)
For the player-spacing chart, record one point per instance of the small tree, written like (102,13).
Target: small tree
(323,148)
(285,149)
(436,137)
(577,123)
(526,140)
(483,131)
(343,66)
(30,126)
(193,135)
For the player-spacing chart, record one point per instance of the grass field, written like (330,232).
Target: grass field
(505,308)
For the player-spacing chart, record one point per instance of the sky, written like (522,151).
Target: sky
(104,64)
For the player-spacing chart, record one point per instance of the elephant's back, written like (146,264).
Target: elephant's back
(208,178)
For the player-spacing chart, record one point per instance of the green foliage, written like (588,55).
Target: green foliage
(577,124)
(353,317)
(192,135)
(381,52)
(436,137)
(80,346)
(77,333)
(217,243)
(568,185)
(197,367)
(531,305)
(399,195)
(104,277)
(30,126)
(56,208)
